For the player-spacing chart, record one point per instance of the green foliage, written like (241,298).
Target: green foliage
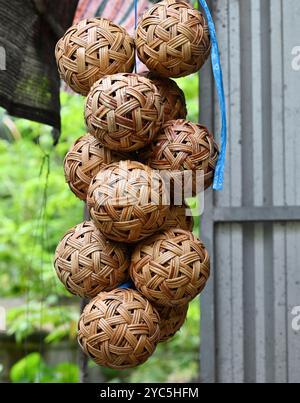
(30,230)
(190,86)
(32,369)
(59,323)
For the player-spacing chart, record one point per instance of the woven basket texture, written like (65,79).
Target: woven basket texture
(84,160)
(171,320)
(173,98)
(119,329)
(172,39)
(124,111)
(87,263)
(92,49)
(184,146)
(127,201)
(177,217)
(170,268)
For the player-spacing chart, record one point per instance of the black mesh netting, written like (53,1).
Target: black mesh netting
(29,30)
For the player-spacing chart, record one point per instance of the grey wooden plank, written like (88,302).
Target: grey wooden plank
(235,183)
(224,303)
(207,300)
(277,104)
(255,214)
(256,103)
(277,334)
(234,112)
(258,81)
(237,319)
(223,260)
(280,331)
(293,300)
(259,295)
(291,31)
(221,16)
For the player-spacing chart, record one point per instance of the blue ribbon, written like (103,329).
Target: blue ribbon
(129,284)
(135,13)
(135,26)
(217,71)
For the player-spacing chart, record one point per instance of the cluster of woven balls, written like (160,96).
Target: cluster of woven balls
(172,40)
(136,133)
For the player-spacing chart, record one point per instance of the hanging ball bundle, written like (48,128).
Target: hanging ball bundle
(124,111)
(132,116)
(119,329)
(86,263)
(171,320)
(126,201)
(92,49)
(185,146)
(170,268)
(173,98)
(172,39)
(84,160)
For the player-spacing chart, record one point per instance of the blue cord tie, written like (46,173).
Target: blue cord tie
(128,284)
(135,26)
(135,13)
(217,71)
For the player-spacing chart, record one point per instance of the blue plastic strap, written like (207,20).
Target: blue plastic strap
(129,284)
(135,13)
(217,71)
(135,26)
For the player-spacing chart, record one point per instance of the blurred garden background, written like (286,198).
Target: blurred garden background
(36,208)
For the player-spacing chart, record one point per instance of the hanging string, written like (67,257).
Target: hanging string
(217,71)
(35,234)
(42,218)
(135,13)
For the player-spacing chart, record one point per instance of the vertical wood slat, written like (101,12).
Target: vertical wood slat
(258,192)
(291,38)
(235,179)
(223,236)
(279,365)
(208,340)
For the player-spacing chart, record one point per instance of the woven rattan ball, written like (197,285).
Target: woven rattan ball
(84,160)
(173,98)
(185,146)
(126,201)
(178,217)
(119,329)
(171,320)
(172,39)
(170,268)
(91,49)
(86,263)
(124,111)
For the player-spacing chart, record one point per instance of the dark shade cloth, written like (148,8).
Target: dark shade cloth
(29,30)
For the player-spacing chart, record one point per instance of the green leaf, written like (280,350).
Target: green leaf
(26,369)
